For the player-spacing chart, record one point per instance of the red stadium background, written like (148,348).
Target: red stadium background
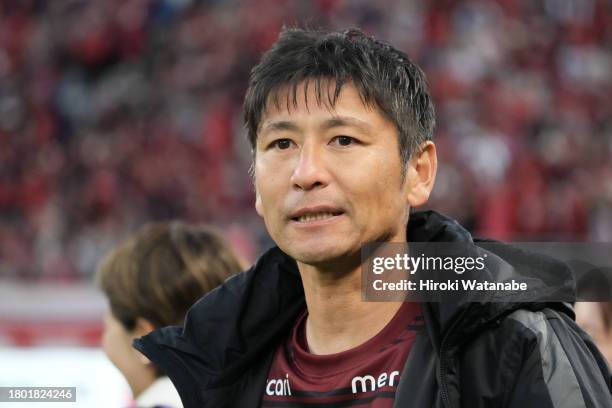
(114,113)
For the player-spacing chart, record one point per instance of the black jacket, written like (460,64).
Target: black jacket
(502,354)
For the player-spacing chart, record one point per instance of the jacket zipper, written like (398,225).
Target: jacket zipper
(442,369)
(442,366)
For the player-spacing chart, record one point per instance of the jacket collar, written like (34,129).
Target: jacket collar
(458,320)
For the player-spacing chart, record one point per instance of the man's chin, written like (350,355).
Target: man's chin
(329,258)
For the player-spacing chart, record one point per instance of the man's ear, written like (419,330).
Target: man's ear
(258,206)
(421,174)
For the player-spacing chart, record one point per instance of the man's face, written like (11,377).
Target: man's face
(328,180)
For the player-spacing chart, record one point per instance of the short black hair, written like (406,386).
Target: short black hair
(383,75)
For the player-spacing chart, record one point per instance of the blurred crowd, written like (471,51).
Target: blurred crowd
(114,113)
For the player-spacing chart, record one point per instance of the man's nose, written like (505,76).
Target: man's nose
(310,171)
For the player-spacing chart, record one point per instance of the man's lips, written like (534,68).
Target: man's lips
(315,213)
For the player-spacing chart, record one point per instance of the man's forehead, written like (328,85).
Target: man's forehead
(332,121)
(311,96)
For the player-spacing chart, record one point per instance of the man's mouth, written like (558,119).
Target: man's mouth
(316,216)
(319,213)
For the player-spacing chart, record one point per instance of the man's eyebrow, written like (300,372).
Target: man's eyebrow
(279,126)
(339,121)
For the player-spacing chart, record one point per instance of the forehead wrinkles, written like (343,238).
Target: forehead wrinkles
(325,90)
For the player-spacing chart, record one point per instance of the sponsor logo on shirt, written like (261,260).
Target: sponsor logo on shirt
(279,387)
(370,383)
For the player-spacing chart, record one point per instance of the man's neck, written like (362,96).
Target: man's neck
(338,319)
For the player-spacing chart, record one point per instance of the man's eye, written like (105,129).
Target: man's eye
(281,144)
(343,140)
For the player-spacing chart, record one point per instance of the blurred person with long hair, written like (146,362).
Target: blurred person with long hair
(151,280)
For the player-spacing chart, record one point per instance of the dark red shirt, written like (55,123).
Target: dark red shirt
(366,375)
